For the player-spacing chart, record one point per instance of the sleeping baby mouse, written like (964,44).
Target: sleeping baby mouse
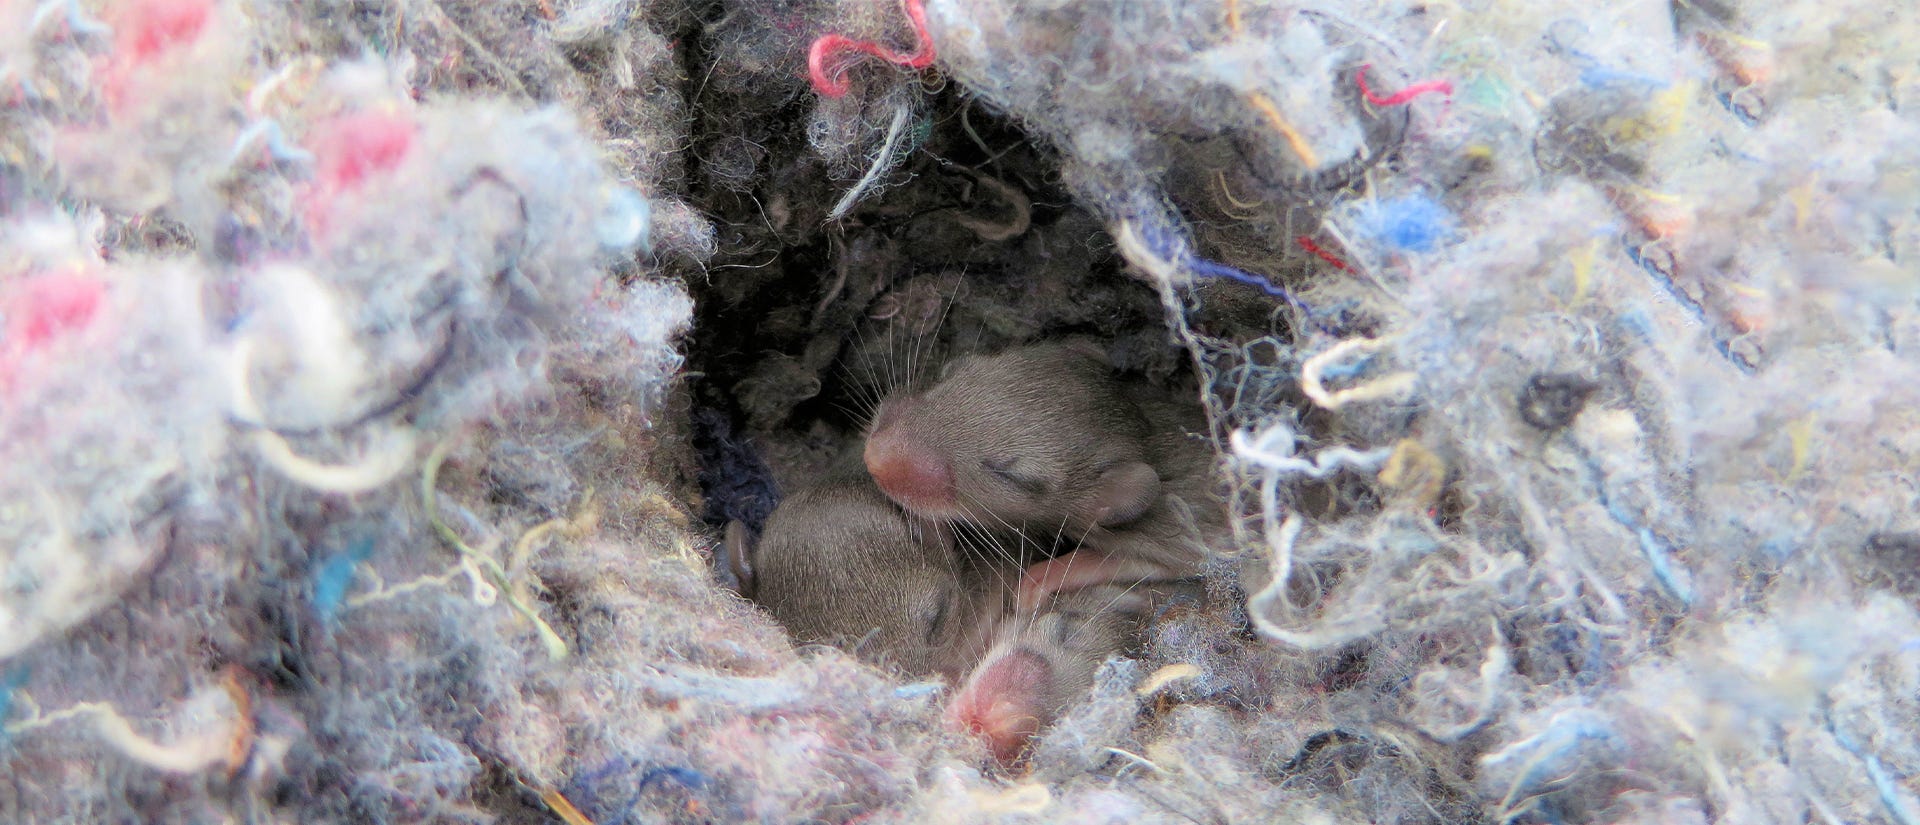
(1039,665)
(840,564)
(1041,439)
(1048,441)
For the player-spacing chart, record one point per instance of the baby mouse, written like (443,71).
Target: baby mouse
(1037,667)
(1046,440)
(1041,439)
(840,564)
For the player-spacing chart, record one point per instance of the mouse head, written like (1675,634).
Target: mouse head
(1039,666)
(839,564)
(1039,438)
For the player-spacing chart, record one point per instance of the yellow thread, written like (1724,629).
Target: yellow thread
(1800,435)
(556,647)
(579,525)
(1162,677)
(1294,138)
(1416,471)
(1651,194)
(1583,261)
(1385,387)
(191,754)
(1802,204)
(1137,759)
(1030,798)
(1664,115)
(1220,177)
(1233,16)
(564,809)
(1743,40)
(381,592)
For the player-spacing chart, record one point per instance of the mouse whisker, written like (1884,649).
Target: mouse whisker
(973,511)
(1104,608)
(870,390)
(853,411)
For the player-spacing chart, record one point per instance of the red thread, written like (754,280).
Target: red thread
(1402,96)
(831,46)
(1321,252)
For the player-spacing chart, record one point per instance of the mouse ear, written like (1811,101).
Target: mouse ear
(739,561)
(1123,493)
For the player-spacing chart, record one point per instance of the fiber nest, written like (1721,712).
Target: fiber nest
(376,378)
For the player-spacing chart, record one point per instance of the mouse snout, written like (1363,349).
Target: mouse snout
(911,473)
(1004,702)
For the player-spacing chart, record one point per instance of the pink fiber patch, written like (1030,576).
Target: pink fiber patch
(39,310)
(45,307)
(154,26)
(351,148)
(348,150)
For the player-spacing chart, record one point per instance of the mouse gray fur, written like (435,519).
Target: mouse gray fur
(1047,441)
(840,564)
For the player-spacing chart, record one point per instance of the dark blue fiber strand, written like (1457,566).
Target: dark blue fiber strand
(1213,270)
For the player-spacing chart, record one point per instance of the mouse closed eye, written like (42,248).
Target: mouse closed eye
(1015,476)
(934,614)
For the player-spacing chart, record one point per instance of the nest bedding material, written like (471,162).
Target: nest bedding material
(373,377)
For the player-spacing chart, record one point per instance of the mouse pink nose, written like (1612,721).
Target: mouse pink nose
(1002,703)
(910,473)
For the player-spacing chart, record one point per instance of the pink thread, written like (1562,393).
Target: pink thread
(1320,252)
(1402,96)
(832,46)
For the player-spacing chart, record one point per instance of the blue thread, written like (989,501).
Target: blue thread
(1170,246)
(335,575)
(9,683)
(1414,223)
(277,145)
(687,778)
(921,690)
(1780,548)
(1347,369)
(78,23)
(1891,796)
(611,780)
(1547,751)
(1663,276)
(1597,75)
(1594,72)
(1673,577)
(1741,113)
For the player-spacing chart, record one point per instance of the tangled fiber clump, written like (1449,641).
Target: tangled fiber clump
(363,367)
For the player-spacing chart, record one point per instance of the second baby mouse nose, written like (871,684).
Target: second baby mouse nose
(910,473)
